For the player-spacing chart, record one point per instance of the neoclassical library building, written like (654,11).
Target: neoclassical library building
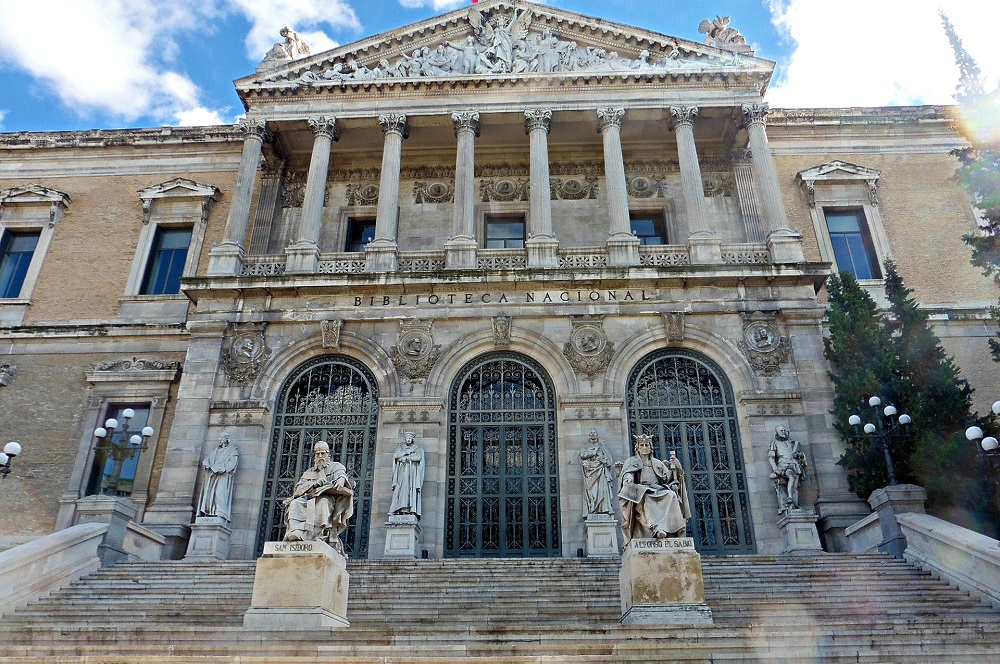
(498,229)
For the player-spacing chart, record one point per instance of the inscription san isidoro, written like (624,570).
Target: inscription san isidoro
(503,297)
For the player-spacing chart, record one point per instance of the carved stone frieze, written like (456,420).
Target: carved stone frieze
(588,349)
(501,330)
(502,170)
(362,194)
(434,192)
(673,325)
(718,184)
(137,364)
(573,188)
(645,186)
(245,352)
(416,353)
(763,345)
(330,331)
(293,191)
(504,189)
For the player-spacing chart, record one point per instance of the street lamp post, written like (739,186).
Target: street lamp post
(886,424)
(10,450)
(989,447)
(119,450)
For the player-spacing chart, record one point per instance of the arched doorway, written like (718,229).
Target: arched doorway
(503,482)
(684,401)
(332,398)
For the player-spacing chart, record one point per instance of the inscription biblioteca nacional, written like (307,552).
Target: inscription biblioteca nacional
(529,297)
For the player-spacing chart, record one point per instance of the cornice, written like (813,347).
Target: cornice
(874,115)
(105,138)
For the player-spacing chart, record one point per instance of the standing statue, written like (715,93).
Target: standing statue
(597,475)
(407,476)
(322,502)
(653,495)
(217,491)
(788,464)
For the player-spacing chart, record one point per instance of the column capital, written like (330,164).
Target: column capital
(394,123)
(682,115)
(755,114)
(253,128)
(608,117)
(538,118)
(742,156)
(324,126)
(466,121)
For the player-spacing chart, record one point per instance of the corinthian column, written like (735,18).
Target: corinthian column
(380,253)
(541,243)
(460,249)
(785,244)
(704,246)
(623,247)
(303,256)
(227,258)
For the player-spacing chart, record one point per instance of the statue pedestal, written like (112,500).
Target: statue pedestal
(402,536)
(801,536)
(209,540)
(602,536)
(661,583)
(299,585)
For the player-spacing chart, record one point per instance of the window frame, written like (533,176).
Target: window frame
(500,217)
(156,253)
(864,231)
(839,185)
(7,253)
(350,220)
(29,208)
(652,214)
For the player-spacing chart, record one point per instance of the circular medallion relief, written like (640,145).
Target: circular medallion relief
(588,340)
(246,348)
(414,344)
(762,337)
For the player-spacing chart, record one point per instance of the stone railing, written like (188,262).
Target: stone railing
(745,254)
(664,255)
(501,259)
(345,262)
(583,257)
(263,265)
(421,261)
(48,563)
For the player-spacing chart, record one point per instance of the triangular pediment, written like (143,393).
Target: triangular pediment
(838,170)
(499,40)
(179,188)
(33,193)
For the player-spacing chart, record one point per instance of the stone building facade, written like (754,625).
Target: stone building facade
(498,229)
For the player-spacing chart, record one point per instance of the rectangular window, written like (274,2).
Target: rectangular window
(359,233)
(504,231)
(649,227)
(114,474)
(166,261)
(852,243)
(16,250)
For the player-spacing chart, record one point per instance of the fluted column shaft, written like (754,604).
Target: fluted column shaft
(239,208)
(692,187)
(466,131)
(325,131)
(609,123)
(764,172)
(395,129)
(537,124)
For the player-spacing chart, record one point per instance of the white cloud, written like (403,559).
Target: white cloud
(3,114)
(436,5)
(107,56)
(267,17)
(877,52)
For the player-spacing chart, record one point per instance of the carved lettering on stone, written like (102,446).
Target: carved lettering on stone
(588,349)
(244,352)
(330,329)
(416,353)
(763,345)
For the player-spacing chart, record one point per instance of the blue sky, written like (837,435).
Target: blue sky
(82,64)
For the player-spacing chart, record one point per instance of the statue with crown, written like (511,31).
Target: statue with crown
(653,495)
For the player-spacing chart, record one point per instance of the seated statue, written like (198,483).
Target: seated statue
(653,496)
(322,503)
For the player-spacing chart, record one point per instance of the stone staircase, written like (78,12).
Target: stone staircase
(824,608)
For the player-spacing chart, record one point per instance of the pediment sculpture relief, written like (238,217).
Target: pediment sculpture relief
(502,42)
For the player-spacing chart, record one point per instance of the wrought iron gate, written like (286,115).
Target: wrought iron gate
(332,398)
(503,482)
(684,401)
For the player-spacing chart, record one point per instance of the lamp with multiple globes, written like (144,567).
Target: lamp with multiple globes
(989,447)
(10,450)
(881,430)
(120,450)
